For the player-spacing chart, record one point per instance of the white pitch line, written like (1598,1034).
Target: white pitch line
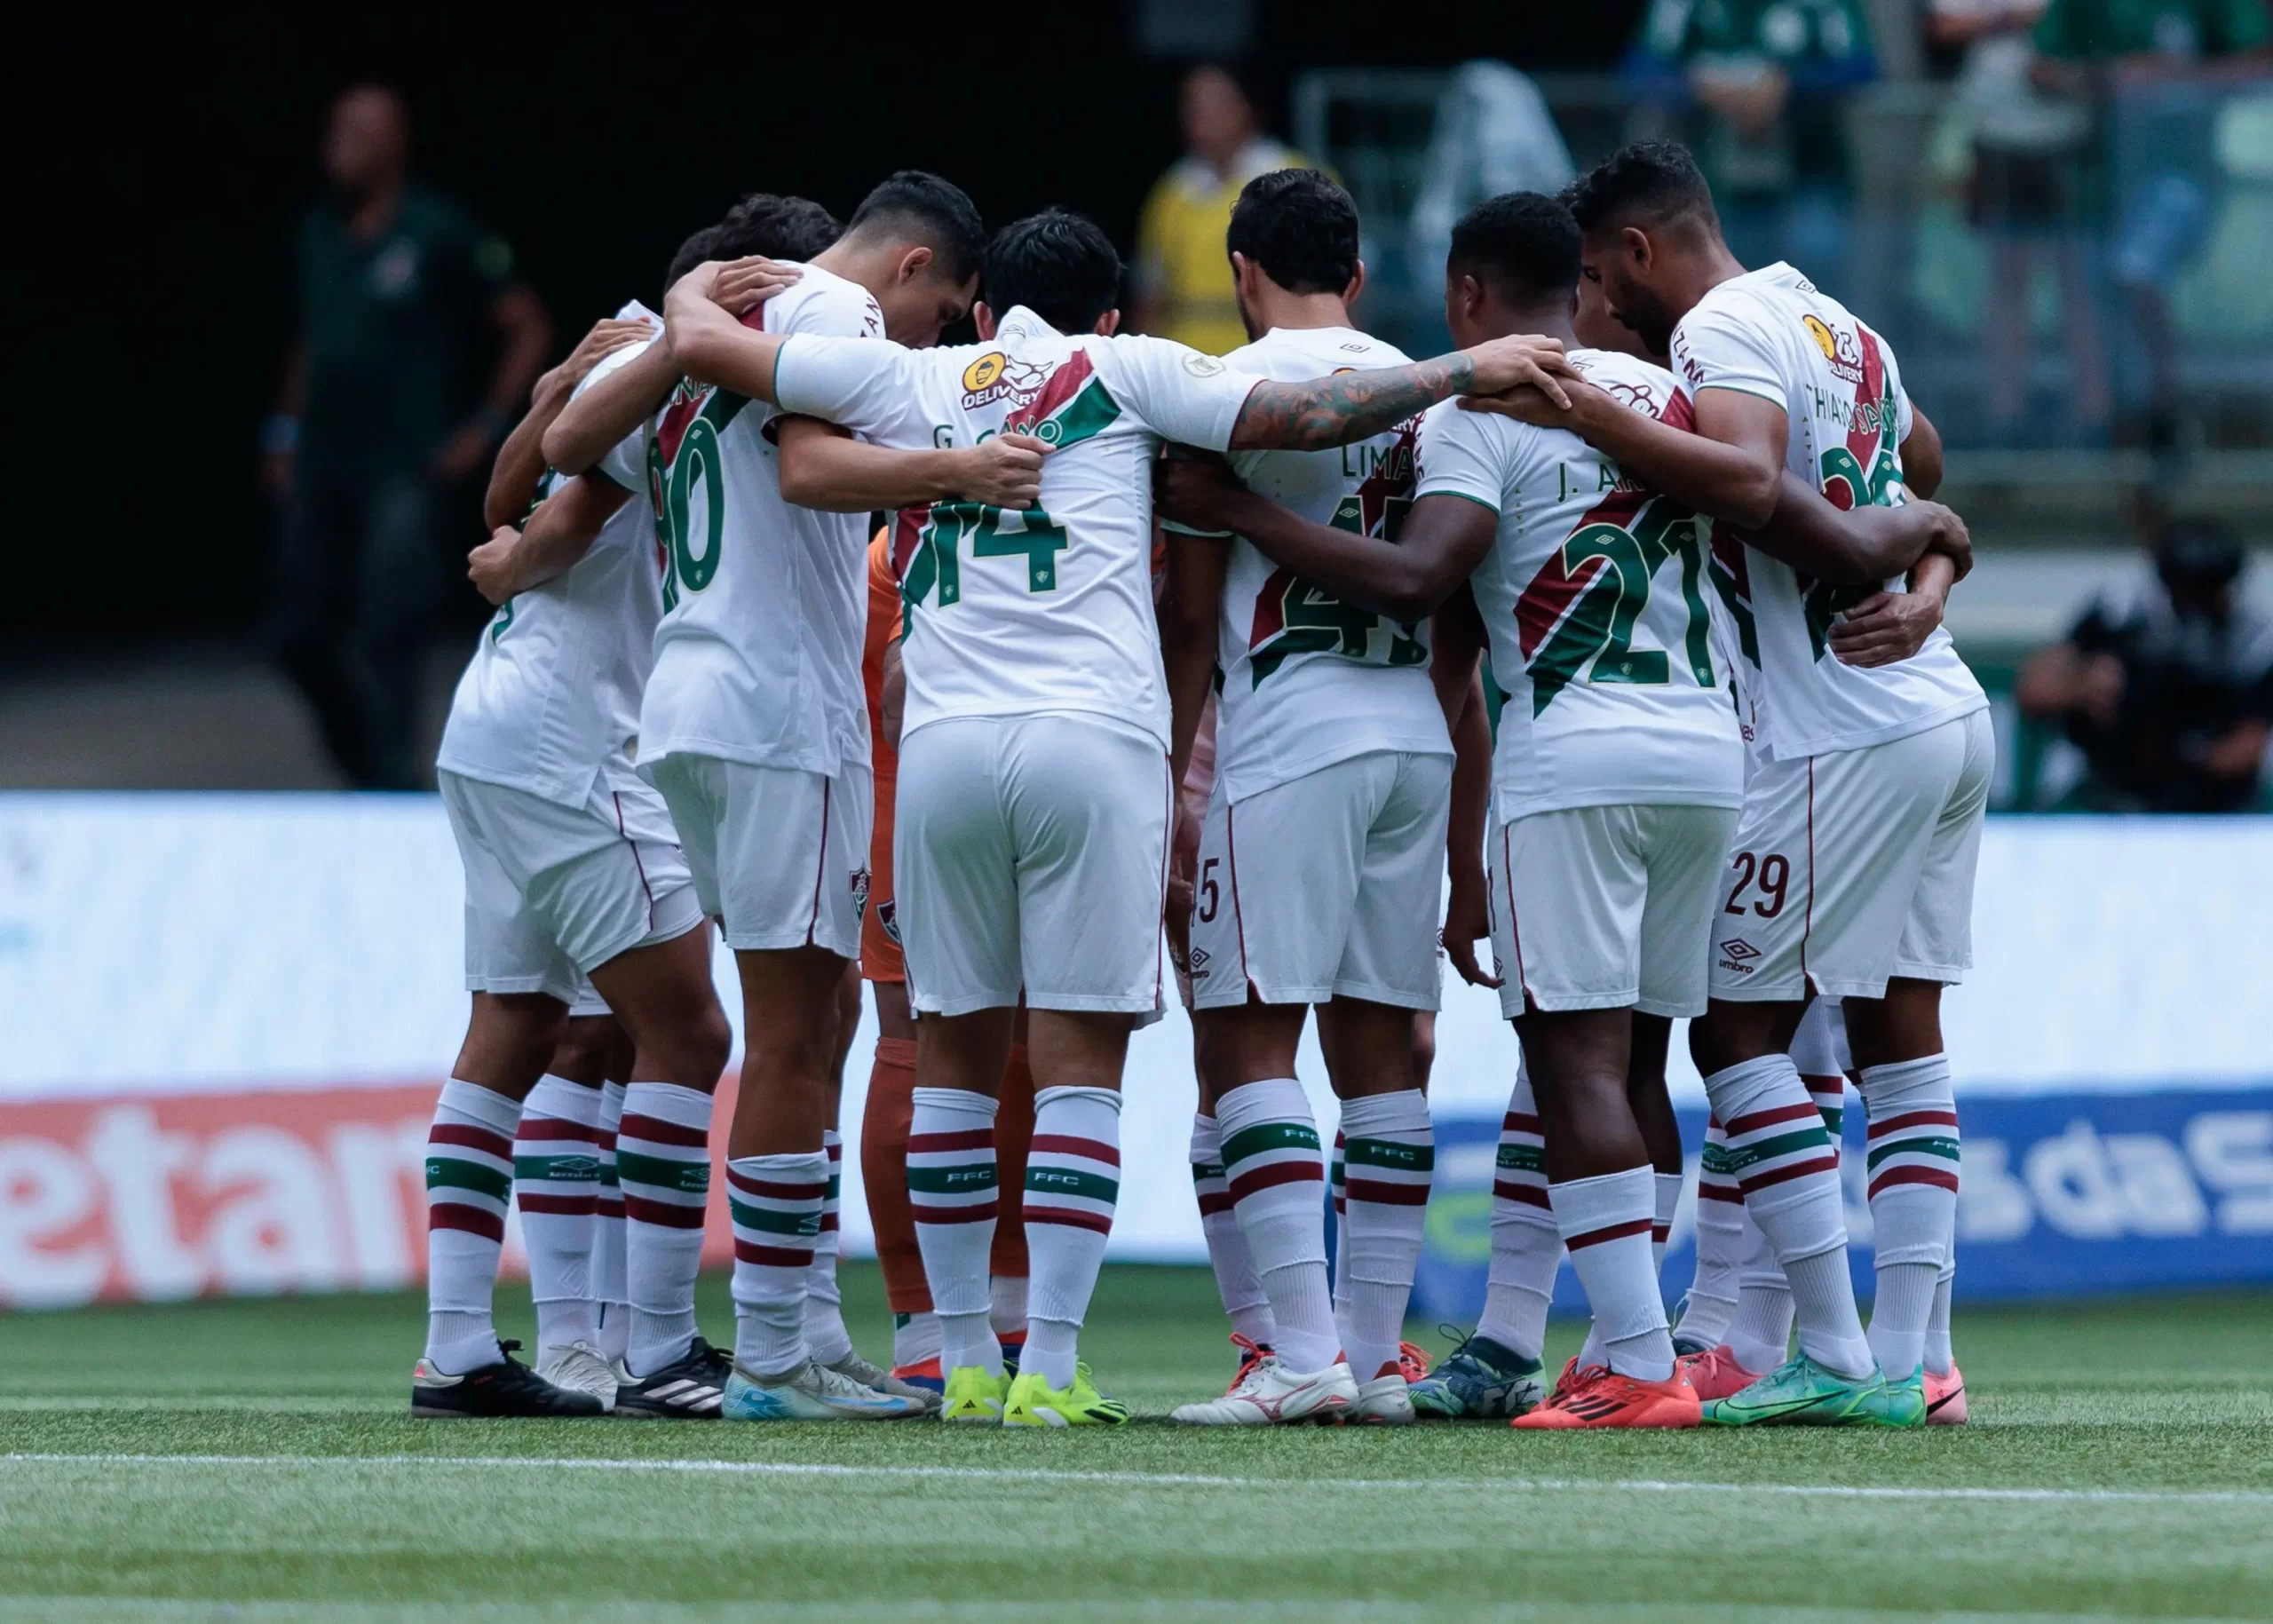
(1134,1480)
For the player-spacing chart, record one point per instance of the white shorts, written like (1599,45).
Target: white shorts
(1328,886)
(551,891)
(780,856)
(1607,908)
(1030,852)
(1851,868)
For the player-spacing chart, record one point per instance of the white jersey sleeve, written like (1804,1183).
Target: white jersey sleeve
(870,387)
(1717,349)
(626,462)
(1461,454)
(1175,390)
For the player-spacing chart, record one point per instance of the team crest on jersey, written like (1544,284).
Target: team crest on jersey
(995,376)
(860,892)
(1839,349)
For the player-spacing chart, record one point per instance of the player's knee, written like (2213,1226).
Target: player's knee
(584,1050)
(703,1045)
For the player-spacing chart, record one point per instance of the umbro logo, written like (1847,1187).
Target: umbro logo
(1739,950)
(1197,960)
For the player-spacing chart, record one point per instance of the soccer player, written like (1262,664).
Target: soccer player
(1617,784)
(573,883)
(891,1084)
(1855,855)
(754,729)
(1034,794)
(1320,863)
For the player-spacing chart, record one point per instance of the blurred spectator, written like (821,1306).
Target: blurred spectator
(394,282)
(2157,62)
(2167,687)
(1491,134)
(2028,152)
(1771,77)
(1184,283)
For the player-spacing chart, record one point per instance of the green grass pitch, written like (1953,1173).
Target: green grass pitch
(254,1461)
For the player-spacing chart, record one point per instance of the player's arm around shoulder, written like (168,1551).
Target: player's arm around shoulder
(710,344)
(824,467)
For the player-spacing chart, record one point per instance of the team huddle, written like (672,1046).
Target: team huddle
(1154,639)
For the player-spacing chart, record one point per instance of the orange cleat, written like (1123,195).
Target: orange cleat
(1945,1398)
(1571,1376)
(924,1374)
(1716,1373)
(1251,1354)
(1600,1398)
(1413,1362)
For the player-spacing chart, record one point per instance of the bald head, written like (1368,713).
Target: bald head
(367,145)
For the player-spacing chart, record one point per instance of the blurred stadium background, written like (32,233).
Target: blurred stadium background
(227,1011)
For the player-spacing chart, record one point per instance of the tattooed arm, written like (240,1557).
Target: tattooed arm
(1320,413)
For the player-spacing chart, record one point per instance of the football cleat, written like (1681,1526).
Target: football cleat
(507,1389)
(1034,1402)
(1479,1380)
(1899,1401)
(1385,1401)
(1802,1393)
(1716,1373)
(1251,1353)
(1413,1362)
(1945,1398)
(924,1372)
(1014,1349)
(1270,1393)
(877,1380)
(813,1392)
(687,1388)
(1602,1398)
(581,1368)
(971,1396)
(1571,1377)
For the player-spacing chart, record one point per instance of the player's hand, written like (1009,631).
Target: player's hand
(1467,918)
(1952,538)
(1528,403)
(494,567)
(1192,488)
(1520,360)
(689,292)
(1004,471)
(742,285)
(606,337)
(1886,627)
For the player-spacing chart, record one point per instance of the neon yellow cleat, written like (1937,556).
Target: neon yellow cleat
(1034,1402)
(973,1397)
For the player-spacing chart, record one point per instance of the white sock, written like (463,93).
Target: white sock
(1526,1250)
(1914,1178)
(951,1191)
(825,1332)
(1940,1358)
(1790,1174)
(914,1338)
(1668,1187)
(1606,1223)
(1073,1185)
(1390,1158)
(662,1166)
(776,1205)
(556,1184)
(1271,1168)
(1760,1332)
(469,1178)
(1711,1301)
(607,1236)
(1006,1307)
(1246,1304)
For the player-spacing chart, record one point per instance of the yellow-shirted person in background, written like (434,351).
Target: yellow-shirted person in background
(1184,283)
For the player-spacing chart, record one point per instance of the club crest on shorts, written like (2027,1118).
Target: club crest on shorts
(888,916)
(860,892)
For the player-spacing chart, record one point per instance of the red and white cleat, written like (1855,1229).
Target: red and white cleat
(1716,1373)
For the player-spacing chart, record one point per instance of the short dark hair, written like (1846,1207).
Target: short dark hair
(1058,264)
(936,212)
(1300,226)
(778,227)
(1650,180)
(1525,243)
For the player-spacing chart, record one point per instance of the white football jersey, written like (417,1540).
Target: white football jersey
(1601,622)
(766,605)
(552,696)
(1773,334)
(1049,609)
(1309,680)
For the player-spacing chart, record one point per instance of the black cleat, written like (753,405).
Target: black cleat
(687,1388)
(506,1389)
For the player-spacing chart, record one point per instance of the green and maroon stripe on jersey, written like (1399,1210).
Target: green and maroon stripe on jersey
(1074,406)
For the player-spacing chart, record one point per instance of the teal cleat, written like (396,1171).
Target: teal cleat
(1802,1393)
(1481,1380)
